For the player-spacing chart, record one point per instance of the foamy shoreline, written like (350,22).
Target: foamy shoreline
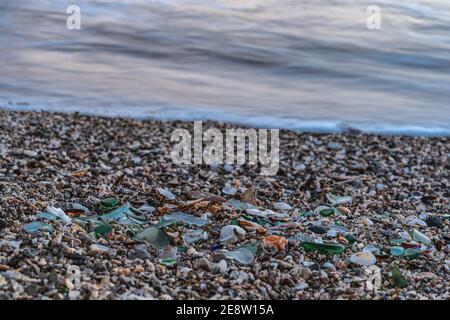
(253,121)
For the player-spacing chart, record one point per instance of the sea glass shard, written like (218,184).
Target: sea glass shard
(398,278)
(397,251)
(330,248)
(420,237)
(335,200)
(241,255)
(155,236)
(36,226)
(186,218)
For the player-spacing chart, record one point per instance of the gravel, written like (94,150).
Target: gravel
(64,159)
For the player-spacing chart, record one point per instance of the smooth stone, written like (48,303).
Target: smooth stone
(306,273)
(281,206)
(317,229)
(203,263)
(329,265)
(434,221)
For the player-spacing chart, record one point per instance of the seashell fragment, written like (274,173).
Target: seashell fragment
(344,210)
(339,199)
(166,193)
(59,213)
(276,241)
(222,266)
(281,206)
(229,190)
(363,258)
(231,234)
(251,226)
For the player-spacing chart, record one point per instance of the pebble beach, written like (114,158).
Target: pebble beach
(94,208)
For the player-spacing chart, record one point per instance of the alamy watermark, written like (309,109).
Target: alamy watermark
(373,22)
(210,147)
(73,21)
(213,148)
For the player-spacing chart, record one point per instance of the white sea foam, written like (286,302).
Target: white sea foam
(254,121)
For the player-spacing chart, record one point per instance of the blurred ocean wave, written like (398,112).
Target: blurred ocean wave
(284,63)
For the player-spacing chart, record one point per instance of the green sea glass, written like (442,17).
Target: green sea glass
(397,251)
(411,253)
(398,278)
(350,238)
(36,226)
(330,248)
(110,202)
(102,229)
(155,236)
(327,212)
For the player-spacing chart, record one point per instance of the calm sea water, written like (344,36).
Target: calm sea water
(305,65)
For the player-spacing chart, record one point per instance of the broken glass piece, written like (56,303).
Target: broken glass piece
(240,205)
(397,251)
(78,206)
(324,211)
(351,239)
(46,216)
(168,262)
(195,235)
(186,218)
(420,237)
(155,236)
(147,208)
(241,255)
(331,248)
(117,213)
(110,202)
(251,246)
(231,234)
(335,200)
(229,190)
(36,226)
(411,253)
(168,252)
(59,213)
(281,206)
(123,215)
(334,145)
(371,248)
(102,229)
(166,193)
(398,278)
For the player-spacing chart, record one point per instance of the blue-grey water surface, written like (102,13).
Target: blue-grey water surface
(306,65)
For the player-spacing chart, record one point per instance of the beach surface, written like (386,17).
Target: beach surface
(385,215)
